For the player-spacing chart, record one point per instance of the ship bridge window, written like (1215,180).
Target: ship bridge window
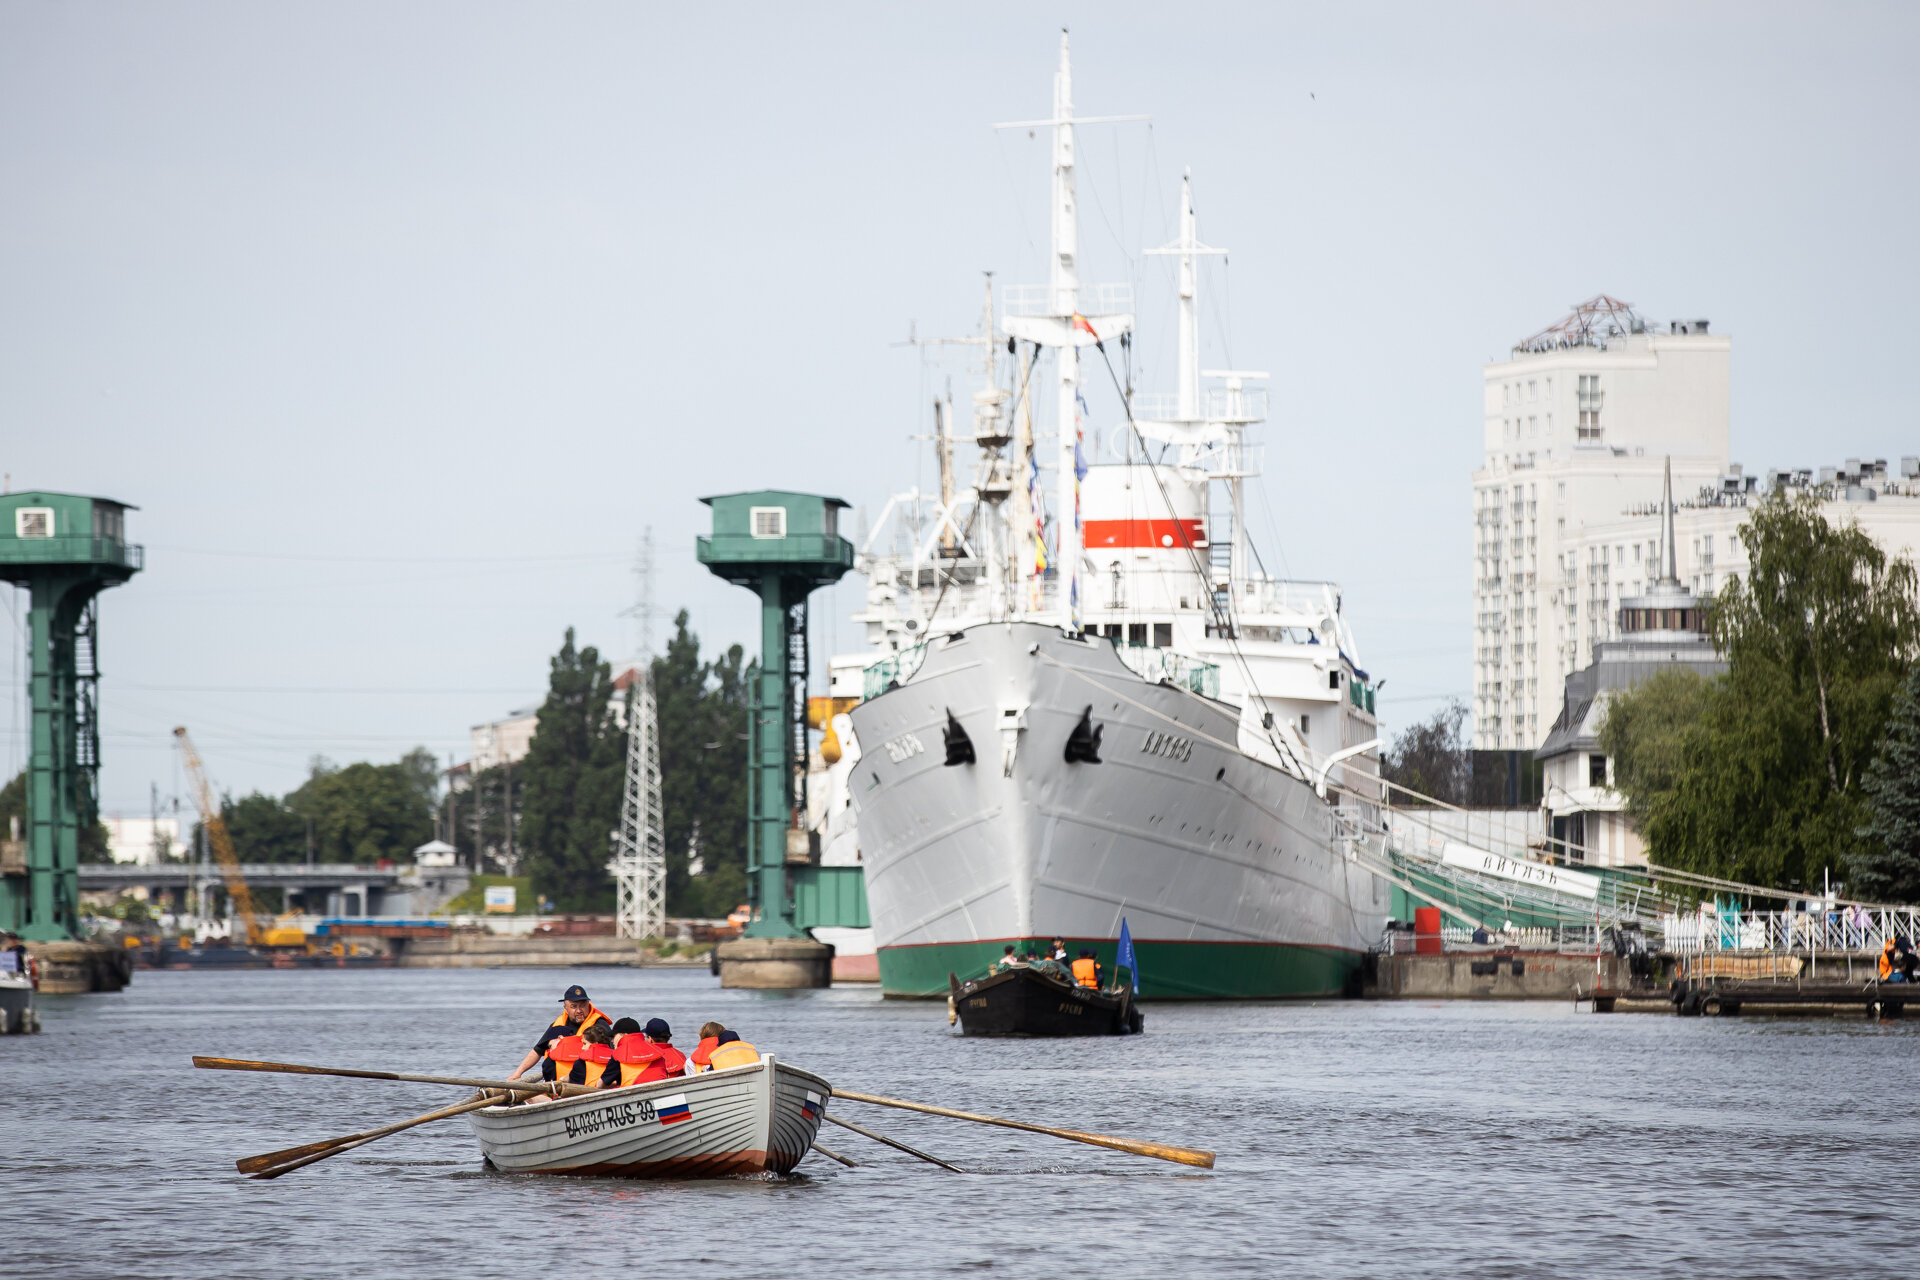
(1333,679)
(1163,635)
(1137,634)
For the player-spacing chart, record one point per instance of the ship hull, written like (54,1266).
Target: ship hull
(1225,867)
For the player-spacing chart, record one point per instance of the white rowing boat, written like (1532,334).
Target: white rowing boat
(759,1118)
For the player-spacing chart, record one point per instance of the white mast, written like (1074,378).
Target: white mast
(1064,282)
(1063,327)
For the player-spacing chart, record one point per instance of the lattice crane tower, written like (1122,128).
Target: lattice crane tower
(639,863)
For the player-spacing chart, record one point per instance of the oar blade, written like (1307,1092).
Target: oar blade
(254,1164)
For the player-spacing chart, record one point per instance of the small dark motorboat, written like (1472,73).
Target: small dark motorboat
(1031,1000)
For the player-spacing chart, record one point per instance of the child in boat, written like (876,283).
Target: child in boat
(596,1064)
(709,1040)
(651,1056)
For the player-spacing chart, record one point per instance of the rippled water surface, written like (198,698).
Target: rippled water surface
(1353,1139)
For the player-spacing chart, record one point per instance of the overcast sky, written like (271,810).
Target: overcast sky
(400,323)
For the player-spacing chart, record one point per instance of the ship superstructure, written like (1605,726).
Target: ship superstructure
(1085,697)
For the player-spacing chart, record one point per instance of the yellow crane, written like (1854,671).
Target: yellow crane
(209,806)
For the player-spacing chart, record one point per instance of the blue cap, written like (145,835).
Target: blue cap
(657,1029)
(575,992)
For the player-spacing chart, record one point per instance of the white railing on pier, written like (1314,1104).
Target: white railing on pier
(1836,929)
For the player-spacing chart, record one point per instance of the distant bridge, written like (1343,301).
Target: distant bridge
(328,888)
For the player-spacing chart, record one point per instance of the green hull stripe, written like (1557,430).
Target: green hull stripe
(1168,970)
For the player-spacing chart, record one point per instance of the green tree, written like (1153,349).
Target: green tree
(1651,733)
(573,774)
(1431,758)
(703,772)
(1758,776)
(1886,865)
(366,812)
(263,829)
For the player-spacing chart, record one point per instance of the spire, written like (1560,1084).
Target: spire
(1669,569)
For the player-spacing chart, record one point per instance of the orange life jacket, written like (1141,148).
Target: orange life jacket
(596,1056)
(593,1015)
(734,1053)
(642,1060)
(1086,972)
(702,1052)
(564,1052)
(1886,963)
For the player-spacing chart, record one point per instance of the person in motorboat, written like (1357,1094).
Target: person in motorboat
(1058,950)
(1896,960)
(1086,970)
(647,1057)
(1005,962)
(577,1013)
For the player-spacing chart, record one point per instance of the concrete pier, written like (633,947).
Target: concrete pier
(776,964)
(76,968)
(532,951)
(1496,975)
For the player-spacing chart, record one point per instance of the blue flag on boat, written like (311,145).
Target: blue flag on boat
(1123,959)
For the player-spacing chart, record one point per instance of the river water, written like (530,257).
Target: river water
(1354,1139)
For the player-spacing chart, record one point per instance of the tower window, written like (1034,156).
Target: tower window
(769,522)
(33,522)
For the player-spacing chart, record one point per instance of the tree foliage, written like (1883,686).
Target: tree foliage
(1758,775)
(573,775)
(360,814)
(1886,865)
(703,772)
(1431,757)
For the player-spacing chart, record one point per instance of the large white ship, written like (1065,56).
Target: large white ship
(1090,702)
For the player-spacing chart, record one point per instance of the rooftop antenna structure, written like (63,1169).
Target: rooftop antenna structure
(65,549)
(639,864)
(1052,317)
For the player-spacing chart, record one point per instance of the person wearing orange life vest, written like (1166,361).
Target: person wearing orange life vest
(709,1041)
(1086,971)
(642,1059)
(577,1013)
(731,1051)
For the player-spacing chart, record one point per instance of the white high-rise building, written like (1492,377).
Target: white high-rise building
(1579,424)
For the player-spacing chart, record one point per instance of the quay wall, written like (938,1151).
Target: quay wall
(76,968)
(1518,975)
(490,951)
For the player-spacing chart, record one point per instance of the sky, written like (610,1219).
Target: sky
(402,324)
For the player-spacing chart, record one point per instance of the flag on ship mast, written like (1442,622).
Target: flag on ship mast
(1123,958)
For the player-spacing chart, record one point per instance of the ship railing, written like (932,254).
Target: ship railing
(1038,300)
(1176,668)
(895,668)
(1457,938)
(1216,404)
(1839,928)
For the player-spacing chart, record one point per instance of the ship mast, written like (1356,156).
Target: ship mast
(1062,326)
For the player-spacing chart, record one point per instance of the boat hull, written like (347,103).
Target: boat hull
(759,1118)
(1226,868)
(1023,1002)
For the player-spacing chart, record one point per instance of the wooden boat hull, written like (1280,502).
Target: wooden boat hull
(760,1118)
(1024,1002)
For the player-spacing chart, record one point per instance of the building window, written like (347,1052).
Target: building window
(1589,404)
(1596,771)
(769,522)
(33,522)
(1333,679)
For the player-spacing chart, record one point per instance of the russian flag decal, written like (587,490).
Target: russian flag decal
(673,1109)
(811,1107)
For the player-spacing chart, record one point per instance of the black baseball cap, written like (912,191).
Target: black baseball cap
(575,992)
(657,1029)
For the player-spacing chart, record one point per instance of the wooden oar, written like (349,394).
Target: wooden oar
(254,1164)
(556,1088)
(1158,1150)
(881,1137)
(834,1155)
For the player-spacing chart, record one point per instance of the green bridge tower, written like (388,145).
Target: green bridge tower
(65,549)
(782,546)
